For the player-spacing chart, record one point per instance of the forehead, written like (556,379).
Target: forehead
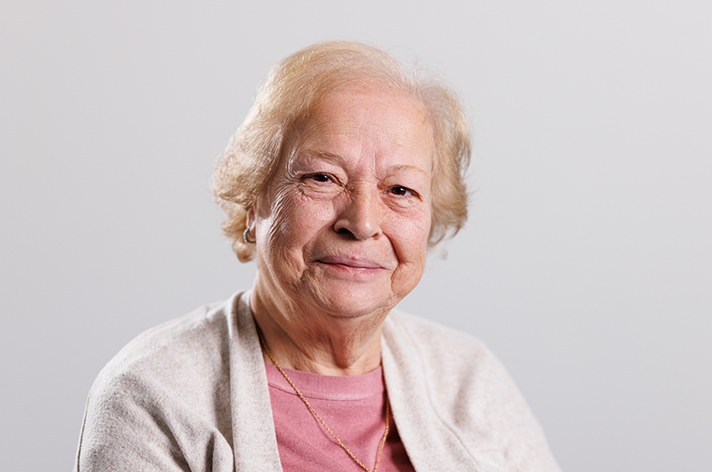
(367,121)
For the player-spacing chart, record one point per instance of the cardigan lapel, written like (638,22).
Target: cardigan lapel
(254,438)
(430,440)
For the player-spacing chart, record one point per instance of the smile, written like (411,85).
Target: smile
(351,263)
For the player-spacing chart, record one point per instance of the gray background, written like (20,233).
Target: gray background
(586,263)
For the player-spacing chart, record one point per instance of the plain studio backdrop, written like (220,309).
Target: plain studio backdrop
(586,262)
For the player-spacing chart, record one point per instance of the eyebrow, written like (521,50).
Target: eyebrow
(313,154)
(408,167)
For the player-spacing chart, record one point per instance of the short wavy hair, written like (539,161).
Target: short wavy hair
(294,87)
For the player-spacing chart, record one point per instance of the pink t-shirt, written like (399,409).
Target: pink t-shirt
(352,406)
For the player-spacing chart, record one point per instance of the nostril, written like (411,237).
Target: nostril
(344,230)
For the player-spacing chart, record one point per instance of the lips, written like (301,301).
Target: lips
(350,262)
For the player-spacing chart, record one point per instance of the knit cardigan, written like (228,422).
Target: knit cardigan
(192,395)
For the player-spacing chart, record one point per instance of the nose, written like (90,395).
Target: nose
(361,215)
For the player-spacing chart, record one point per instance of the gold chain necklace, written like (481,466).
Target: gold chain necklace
(306,402)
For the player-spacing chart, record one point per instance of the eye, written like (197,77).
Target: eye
(401,191)
(318,177)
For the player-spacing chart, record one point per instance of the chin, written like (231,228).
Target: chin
(354,303)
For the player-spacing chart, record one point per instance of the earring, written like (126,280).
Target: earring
(246,236)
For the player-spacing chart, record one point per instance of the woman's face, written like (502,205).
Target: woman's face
(343,226)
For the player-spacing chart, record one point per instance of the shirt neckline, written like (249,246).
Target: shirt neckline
(328,387)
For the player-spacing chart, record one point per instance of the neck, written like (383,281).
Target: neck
(318,342)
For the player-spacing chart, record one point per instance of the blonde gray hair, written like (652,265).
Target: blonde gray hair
(294,87)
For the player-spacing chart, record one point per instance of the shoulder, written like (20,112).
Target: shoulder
(470,391)
(176,350)
(438,343)
(164,390)
(456,367)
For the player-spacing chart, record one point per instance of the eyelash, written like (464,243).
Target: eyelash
(321,177)
(402,191)
(318,177)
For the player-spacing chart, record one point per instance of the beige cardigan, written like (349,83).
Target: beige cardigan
(192,394)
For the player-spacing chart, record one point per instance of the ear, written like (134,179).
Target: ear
(250,217)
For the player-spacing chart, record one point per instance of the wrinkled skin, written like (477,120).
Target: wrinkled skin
(341,232)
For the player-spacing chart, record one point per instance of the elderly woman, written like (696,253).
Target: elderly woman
(343,174)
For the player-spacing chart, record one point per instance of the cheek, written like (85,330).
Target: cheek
(415,227)
(410,239)
(294,221)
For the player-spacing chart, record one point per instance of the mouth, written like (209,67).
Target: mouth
(348,262)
